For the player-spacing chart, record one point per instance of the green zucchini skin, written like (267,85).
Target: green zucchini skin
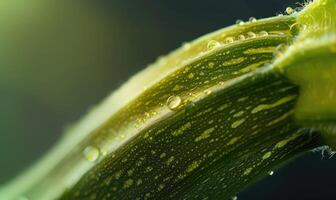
(209,149)
(232,124)
(205,121)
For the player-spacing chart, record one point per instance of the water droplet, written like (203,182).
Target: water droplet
(229,40)
(251,35)
(207,92)
(271,173)
(252,19)
(212,44)
(289,10)
(240,22)
(263,33)
(280,15)
(234,198)
(241,37)
(173,102)
(91,153)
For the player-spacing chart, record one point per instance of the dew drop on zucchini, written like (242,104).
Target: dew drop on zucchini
(229,40)
(173,102)
(240,22)
(91,153)
(263,33)
(213,44)
(251,35)
(252,19)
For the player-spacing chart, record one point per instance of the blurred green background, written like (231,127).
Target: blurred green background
(59,57)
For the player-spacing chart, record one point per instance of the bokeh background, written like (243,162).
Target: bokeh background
(59,57)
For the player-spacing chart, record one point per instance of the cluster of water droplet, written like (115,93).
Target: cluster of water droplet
(213,44)
(241,22)
(248,35)
(291,11)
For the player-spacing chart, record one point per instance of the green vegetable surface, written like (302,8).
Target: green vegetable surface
(205,121)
